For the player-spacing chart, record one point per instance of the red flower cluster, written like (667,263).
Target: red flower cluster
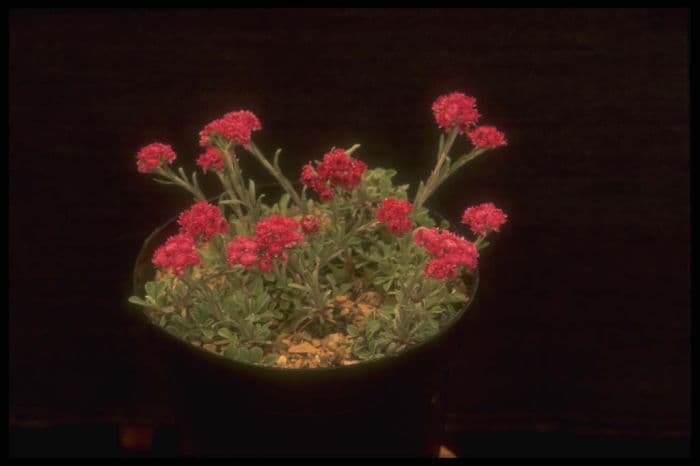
(277,233)
(212,158)
(336,169)
(176,254)
(484,218)
(152,156)
(310,225)
(449,251)
(341,170)
(487,137)
(244,250)
(273,236)
(310,178)
(203,221)
(455,109)
(234,126)
(394,213)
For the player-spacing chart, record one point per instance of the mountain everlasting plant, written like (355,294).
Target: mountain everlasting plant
(347,268)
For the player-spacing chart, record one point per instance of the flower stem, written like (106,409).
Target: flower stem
(235,188)
(166,172)
(433,179)
(232,196)
(480,243)
(277,173)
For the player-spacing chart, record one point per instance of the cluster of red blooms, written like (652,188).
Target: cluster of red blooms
(244,250)
(273,236)
(484,218)
(336,169)
(152,156)
(202,221)
(487,137)
(234,126)
(394,213)
(177,254)
(310,225)
(449,251)
(455,109)
(212,158)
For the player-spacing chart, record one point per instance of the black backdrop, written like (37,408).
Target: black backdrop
(582,323)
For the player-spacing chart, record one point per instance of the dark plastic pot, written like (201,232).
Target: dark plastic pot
(388,407)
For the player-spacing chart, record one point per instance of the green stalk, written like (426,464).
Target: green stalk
(166,172)
(429,185)
(236,179)
(231,194)
(275,172)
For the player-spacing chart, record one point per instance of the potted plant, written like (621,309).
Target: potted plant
(320,322)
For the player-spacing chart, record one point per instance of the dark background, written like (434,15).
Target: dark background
(580,338)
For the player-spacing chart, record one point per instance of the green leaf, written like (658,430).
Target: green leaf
(157,180)
(276,159)
(182,173)
(372,326)
(296,286)
(255,354)
(261,301)
(137,300)
(344,288)
(231,201)
(352,149)
(284,203)
(251,188)
(226,333)
(331,279)
(174,330)
(232,352)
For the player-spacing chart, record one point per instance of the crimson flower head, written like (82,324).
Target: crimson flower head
(449,252)
(455,109)
(487,137)
(484,218)
(177,254)
(394,213)
(310,225)
(310,178)
(153,155)
(203,221)
(277,233)
(211,159)
(273,236)
(234,126)
(339,169)
(243,250)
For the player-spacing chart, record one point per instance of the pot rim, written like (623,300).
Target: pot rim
(404,355)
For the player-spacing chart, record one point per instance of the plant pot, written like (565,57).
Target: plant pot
(387,407)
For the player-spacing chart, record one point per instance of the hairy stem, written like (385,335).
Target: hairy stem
(275,172)
(429,186)
(166,172)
